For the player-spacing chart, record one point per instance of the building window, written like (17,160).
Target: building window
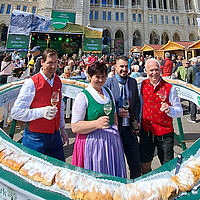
(173,20)
(177,20)
(151,3)
(139,18)
(117,16)
(8,9)
(109,16)
(162,19)
(91,14)
(193,21)
(166,19)
(122,17)
(94,2)
(2,8)
(134,17)
(24,8)
(96,15)
(155,19)
(188,19)
(150,19)
(104,15)
(18,7)
(33,9)
(136,2)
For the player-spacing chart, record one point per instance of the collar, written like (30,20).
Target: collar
(41,72)
(156,84)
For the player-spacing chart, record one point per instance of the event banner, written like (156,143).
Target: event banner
(92,44)
(60,19)
(17,41)
(22,23)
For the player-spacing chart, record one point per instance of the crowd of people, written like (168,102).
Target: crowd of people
(111,118)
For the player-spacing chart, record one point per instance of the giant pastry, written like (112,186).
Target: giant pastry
(15,160)
(39,171)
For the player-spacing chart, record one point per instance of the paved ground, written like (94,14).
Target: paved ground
(191,133)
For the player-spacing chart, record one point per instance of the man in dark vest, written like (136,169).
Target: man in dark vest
(44,122)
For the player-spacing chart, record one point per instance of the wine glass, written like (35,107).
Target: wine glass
(107,108)
(126,105)
(55,98)
(162,94)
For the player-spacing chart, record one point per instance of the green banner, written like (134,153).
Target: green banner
(91,44)
(17,41)
(60,19)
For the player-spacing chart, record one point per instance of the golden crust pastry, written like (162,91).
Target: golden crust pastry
(82,187)
(2,147)
(39,171)
(188,176)
(15,160)
(153,189)
(4,153)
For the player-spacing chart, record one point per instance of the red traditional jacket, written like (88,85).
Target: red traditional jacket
(159,123)
(43,92)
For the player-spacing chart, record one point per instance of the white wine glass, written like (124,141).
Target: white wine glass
(55,98)
(126,105)
(107,108)
(162,94)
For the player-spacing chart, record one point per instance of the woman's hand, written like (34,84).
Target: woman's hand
(102,122)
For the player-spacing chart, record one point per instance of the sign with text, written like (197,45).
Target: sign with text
(92,44)
(60,19)
(17,41)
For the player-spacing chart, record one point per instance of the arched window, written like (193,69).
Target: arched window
(192,37)
(176,37)
(119,42)
(154,38)
(106,41)
(3,32)
(164,38)
(137,39)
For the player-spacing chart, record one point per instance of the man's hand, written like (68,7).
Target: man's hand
(123,113)
(64,135)
(49,112)
(165,108)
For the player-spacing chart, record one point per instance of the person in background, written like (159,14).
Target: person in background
(112,72)
(14,54)
(6,69)
(60,69)
(125,92)
(37,57)
(178,63)
(195,80)
(159,105)
(167,65)
(44,122)
(67,72)
(184,72)
(97,146)
(135,73)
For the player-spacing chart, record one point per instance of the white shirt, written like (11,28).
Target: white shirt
(21,109)
(81,103)
(176,109)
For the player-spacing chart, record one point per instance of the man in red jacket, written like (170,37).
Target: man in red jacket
(160,104)
(45,125)
(167,65)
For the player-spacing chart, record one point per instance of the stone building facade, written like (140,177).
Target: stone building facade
(126,23)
